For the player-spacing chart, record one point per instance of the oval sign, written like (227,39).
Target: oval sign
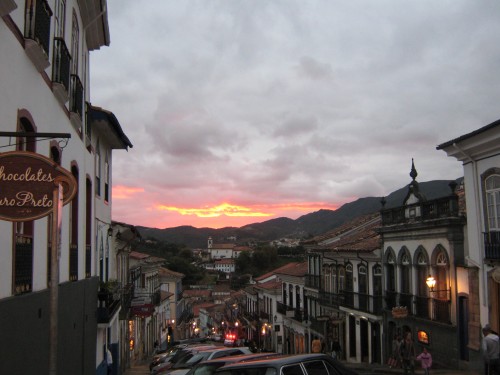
(27,182)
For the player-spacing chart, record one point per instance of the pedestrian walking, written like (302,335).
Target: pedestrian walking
(408,355)
(425,359)
(395,358)
(491,351)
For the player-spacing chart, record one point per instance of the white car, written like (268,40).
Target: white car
(182,368)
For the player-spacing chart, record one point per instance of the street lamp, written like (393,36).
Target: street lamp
(431,282)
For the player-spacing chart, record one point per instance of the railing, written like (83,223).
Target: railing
(331,299)
(492,245)
(76,98)
(109,302)
(283,309)
(364,302)
(298,315)
(422,307)
(264,315)
(37,26)
(88,261)
(23,273)
(406,300)
(435,309)
(62,60)
(313,281)
(442,207)
(73,262)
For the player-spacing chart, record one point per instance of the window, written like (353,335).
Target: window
(291,370)
(493,201)
(315,368)
(75,45)
(98,169)
(405,273)
(59,18)
(106,178)
(341,279)
(326,272)
(333,271)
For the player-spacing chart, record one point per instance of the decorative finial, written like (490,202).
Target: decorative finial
(413,173)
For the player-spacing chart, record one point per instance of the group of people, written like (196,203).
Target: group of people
(404,353)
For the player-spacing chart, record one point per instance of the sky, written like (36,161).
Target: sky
(242,111)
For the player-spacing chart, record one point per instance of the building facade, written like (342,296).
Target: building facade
(478,151)
(45,107)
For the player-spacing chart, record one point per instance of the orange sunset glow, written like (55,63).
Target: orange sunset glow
(148,210)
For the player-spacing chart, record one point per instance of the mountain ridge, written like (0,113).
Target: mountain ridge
(305,226)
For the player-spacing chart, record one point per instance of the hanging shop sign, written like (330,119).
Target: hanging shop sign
(27,182)
(143,311)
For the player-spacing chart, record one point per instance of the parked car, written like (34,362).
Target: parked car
(210,366)
(179,355)
(185,364)
(299,364)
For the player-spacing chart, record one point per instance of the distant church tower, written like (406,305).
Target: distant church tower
(210,243)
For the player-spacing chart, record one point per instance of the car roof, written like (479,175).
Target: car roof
(242,357)
(279,360)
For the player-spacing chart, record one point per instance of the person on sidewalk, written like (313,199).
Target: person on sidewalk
(491,351)
(425,359)
(408,355)
(109,361)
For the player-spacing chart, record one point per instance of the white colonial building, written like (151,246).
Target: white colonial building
(45,109)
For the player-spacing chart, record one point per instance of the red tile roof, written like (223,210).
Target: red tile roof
(294,269)
(196,293)
(270,285)
(274,272)
(169,273)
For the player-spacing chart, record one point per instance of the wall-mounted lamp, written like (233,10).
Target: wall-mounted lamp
(431,282)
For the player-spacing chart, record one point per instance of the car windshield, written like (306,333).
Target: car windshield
(197,358)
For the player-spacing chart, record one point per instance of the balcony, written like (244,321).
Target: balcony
(439,208)
(37,33)
(23,272)
(313,281)
(285,310)
(60,70)
(126,299)
(109,301)
(436,309)
(492,246)
(76,102)
(330,299)
(363,302)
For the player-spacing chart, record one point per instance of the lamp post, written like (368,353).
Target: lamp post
(431,282)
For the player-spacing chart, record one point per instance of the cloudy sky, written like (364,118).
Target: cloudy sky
(245,110)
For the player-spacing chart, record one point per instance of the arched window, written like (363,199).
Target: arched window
(391,272)
(492,185)
(422,272)
(284,294)
(441,269)
(98,169)
(405,264)
(362,283)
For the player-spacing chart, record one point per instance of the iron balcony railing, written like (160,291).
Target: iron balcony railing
(363,302)
(313,281)
(492,245)
(62,61)
(438,208)
(37,26)
(286,310)
(331,299)
(436,308)
(109,300)
(76,98)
